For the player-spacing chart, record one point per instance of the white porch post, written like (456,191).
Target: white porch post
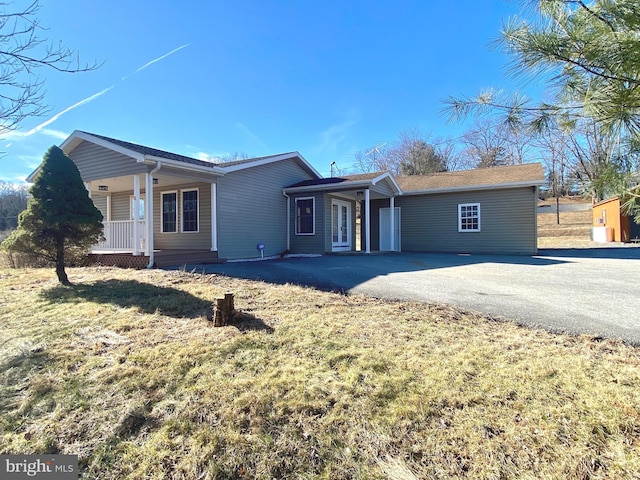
(136,215)
(108,219)
(214,217)
(148,212)
(367,206)
(392,222)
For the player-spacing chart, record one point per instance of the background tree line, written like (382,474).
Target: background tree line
(582,159)
(13,200)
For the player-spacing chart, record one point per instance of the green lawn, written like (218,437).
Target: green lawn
(125,370)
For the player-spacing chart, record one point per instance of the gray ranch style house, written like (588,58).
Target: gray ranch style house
(163,209)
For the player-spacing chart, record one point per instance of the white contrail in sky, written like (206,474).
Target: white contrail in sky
(68,109)
(90,98)
(160,58)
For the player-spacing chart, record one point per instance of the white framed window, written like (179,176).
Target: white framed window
(169,213)
(305,215)
(468,217)
(132,208)
(190,210)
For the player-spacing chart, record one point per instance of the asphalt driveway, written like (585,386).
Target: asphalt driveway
(590,291)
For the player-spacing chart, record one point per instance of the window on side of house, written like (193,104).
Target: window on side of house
(169,212)
(190,210)
(468,217)
(305,216)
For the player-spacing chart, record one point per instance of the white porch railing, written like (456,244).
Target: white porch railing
(119,237)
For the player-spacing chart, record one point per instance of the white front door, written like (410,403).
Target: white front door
(340,226)
(385,230)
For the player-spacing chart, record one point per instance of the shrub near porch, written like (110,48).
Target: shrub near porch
(125,371)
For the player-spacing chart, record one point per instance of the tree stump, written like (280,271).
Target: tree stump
(223,310)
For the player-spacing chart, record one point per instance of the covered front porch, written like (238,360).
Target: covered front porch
(154,203)
(169,220)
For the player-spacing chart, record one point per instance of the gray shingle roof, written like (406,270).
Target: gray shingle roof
(250,160)
(153,151)
(513,174)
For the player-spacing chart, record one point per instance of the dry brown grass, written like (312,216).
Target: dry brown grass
(574,230)
(580,219)
(124,370)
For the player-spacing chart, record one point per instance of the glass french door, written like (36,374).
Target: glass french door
(340,225)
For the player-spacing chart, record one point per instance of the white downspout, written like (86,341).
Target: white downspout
(288,220)
(149,212)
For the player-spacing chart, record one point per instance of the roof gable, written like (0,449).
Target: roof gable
(236,165)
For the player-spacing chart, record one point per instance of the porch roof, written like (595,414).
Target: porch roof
(346,182)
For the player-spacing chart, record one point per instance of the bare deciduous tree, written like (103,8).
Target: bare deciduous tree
(22,52)
(486,145)
(411,154)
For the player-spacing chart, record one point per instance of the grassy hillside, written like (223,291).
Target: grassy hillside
(124,370)
(573,231)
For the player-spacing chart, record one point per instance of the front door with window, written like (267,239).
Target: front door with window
(340,226)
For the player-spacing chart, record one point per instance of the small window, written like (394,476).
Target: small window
(189,210)
(169,212)
(305,216)
(132,208)
(469,217)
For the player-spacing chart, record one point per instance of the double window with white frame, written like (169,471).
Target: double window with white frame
(187,216)
(468,217)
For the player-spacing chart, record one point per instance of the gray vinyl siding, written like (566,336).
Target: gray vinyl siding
(100,201)
(200,240)
(376,205)
(383,188)
(120,206)
(96,162)
(308,243)
(252,209)
(326,222)
(430,222)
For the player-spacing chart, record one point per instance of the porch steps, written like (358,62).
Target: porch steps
(174,258)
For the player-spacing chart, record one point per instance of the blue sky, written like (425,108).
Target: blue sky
(208,79)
